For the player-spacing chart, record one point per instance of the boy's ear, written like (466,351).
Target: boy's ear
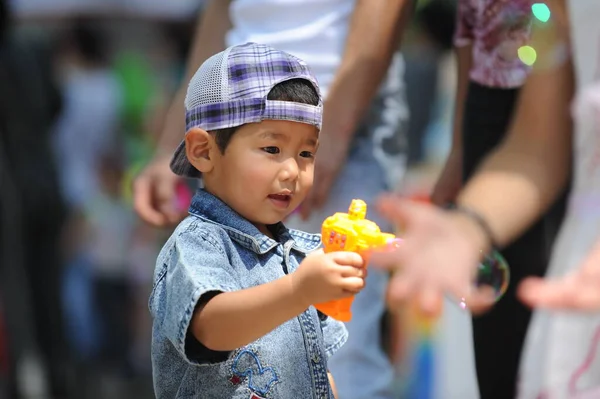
(199,149)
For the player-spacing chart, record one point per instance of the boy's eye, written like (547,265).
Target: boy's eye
(271,150)
(307,154)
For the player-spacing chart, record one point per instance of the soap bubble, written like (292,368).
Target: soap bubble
(493,277)
(494,272)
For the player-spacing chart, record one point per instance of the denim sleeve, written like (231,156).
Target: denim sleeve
(335,335)
(197,265)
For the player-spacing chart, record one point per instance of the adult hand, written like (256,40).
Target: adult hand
(578,290)
(155,193)
(438,255)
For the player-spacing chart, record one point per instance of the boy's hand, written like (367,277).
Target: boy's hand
(324,277)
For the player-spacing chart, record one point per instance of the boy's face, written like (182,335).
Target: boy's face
(266,170)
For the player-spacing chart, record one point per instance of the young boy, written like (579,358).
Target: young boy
(233,287)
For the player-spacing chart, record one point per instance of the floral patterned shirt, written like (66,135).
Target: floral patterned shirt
(496,29)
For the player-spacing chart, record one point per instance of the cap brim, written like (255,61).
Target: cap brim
(180,164)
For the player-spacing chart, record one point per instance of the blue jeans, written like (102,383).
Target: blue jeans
(77,297)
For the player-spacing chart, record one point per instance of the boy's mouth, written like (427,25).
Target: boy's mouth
(281,200)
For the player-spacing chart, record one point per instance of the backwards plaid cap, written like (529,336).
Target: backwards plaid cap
(230,89)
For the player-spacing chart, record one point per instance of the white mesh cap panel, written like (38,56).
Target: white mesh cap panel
(209,84)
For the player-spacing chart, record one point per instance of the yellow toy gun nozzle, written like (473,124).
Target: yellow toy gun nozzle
(354,233)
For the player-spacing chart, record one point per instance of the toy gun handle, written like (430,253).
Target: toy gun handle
(339,309)
(350,232)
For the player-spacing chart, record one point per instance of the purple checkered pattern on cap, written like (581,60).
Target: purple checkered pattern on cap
(246,74)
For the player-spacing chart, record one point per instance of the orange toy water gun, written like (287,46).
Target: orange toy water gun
(351,232)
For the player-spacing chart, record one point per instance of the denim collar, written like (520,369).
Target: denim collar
(212,210)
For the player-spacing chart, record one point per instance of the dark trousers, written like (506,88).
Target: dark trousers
(499,334)
(32,306)
(30,278)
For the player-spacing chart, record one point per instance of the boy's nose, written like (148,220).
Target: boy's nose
(290,170)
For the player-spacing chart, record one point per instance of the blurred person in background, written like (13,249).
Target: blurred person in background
(86,128)
(89,122)
(429,40)
(490,75)
(144,248)
(110,222)
(32,216)
(554,133)
(351,47)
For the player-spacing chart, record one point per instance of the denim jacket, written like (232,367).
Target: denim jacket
(217,250)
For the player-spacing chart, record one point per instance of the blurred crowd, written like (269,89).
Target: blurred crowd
(82,102)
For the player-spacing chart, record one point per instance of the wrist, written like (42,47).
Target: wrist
(295,292)
(474,226)
(162,156)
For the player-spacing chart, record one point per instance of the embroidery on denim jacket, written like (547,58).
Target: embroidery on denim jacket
(247,366)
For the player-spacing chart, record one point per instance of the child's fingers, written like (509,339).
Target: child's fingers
(351,271)
(353,284)
(347,258)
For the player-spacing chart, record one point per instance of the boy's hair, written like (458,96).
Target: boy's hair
(294,90)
